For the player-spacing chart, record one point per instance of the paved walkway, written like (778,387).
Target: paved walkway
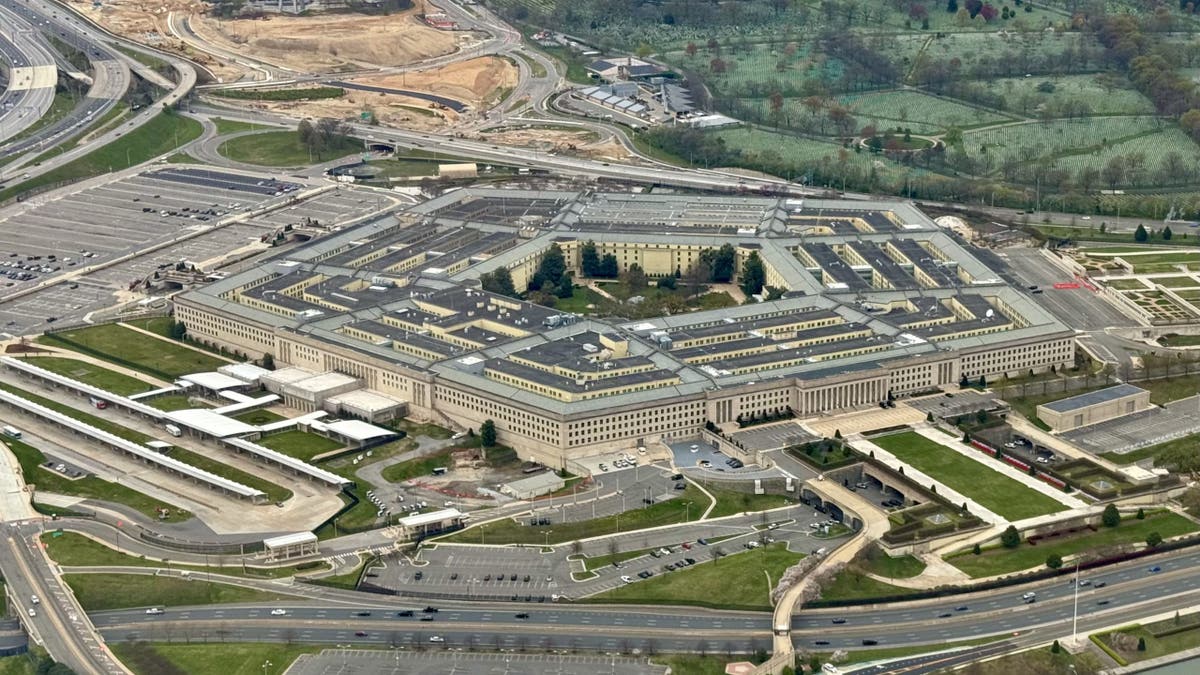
(1002,467)
(937,573)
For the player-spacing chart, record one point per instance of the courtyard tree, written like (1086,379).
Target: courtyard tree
(589,259)
(1010,538)
(487,433)
(499,281)
(754,275)
(1111,516)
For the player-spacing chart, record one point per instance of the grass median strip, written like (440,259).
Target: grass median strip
(227,658)
(97,592)
(75,550)
(299,444)
(161,134)
(740,581)
(89,487)
(999,560)
(508,531)
(282,148)
(996,492)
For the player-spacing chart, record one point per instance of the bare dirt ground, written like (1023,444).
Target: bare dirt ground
(392,111)
(471,81)
(579,143)
(331,42)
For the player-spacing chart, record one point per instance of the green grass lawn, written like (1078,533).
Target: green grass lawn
(281,148)
(87,418)
(170,402)
(225,658)
(159,325)
(259,417)
(737,581)
(98,592)
(421,429)
(347,581)
(595,562)
(225,126)
(579,301)
(732,502)
(1188,637)
(160,135)
(88,487)
(1171,388)
(996,492)
(75,550)
(1152,451)
(1180,340)
(88,373)
(508,531)
(899,567)
(999,560)
(852,585)
(111,342)
(299,444)
(421,466)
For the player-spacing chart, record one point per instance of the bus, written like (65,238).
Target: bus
(11,432)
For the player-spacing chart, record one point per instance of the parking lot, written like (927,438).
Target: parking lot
(1150,427)
(379,662)
(954,403)
(871,489)
(772,436)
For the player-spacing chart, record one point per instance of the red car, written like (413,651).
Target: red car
(687,546)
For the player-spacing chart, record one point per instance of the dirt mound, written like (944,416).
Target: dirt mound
(472,81)
(331,42)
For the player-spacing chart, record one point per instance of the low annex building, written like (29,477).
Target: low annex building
(875,300)
(1093,407)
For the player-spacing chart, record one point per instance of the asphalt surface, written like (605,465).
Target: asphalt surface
(1078,308)
(22,104)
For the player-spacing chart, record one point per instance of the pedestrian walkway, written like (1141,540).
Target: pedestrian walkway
(937,573)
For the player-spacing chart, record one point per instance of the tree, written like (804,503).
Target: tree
(722,265)
(667,283)
(951,6)
(1056,648)
(754,275)
(976,549)
(634,277)
(1153,539)
(268,361)
(1166,233)
(499,282)
(982,382)
(589,259)
(1180,459)
(1141,644)
(963,382)
(644,50)
(690,49)
(609,267)
(487,433)
(1141,514)
(552,266)
(178,330)
(1054,561)
(1010,538)
(1111,516)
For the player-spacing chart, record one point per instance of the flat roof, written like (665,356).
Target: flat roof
(1092,398)
(356,430)
(213,381)
(211,423)
(542,480)
(290,540)
(430,518)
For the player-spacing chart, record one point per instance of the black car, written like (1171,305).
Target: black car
(677,476)
(362,614)
(512,578)
(870,643)
(407,612)
(522,615)
(454,577)
(430,610)
(681,486)
(419,576)
(839,620)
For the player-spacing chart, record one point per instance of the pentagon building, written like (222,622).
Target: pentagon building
(878,299)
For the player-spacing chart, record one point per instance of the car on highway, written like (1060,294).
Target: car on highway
(839,620)
(522,615)
(154,610)
(436,638)
(34,599)
(1100,584)
(1154,569)
(278,612)
(962,608)
(405,612)
(360,633)
(430,610)
(362,614)
(32,612)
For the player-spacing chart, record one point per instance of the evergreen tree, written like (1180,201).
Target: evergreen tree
(754,275)
(487,433)
(721,264)
(1010,538)
(1111,516)
(1140,235)
(589,259)
(499,282)
(1166,233)
(609,268)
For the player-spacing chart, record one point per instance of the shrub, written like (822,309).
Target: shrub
(1010,538)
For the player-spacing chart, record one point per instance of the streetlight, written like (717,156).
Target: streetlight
(686,507)
(548,533)
(265,665)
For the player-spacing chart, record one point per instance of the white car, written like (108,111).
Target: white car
(436,638)
(278,612)
(154,610)
(34,599)
(626,578)
(32,612)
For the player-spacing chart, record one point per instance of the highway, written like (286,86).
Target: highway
(30,89)
(111,80)
(58,622)
(1130,591)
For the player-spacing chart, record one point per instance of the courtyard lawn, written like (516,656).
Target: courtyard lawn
(98,592)
(899,567)
(170,402)
(89,487)
(1180,340)
(993,491)
(158,357)
(999,560)
(226,658)
(509,531)
(1171,388)
(739,581)
(259,417)
(299,444)
(88,373)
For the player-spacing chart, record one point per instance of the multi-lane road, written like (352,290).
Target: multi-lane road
(29,91)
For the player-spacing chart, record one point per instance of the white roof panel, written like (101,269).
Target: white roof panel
(290,539)
(213,381)
(212,423)
(430,518)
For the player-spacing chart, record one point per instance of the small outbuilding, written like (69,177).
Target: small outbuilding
(1093,407)
(534,486)
(288,546)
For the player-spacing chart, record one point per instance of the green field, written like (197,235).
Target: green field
(1105,95)
(88,373)
(1162,638)
(225,126)
(98,592)
(999,560)
(161,135)
(996,146)
(299,444)
(732,502)
(170,402)
(226,658)
(281,148)
(998,493)
(1180,340)
(740,581)
(909,109)
(259,417)
(121,345)
(509,531)
(89,487)
(852,585)
(75,550)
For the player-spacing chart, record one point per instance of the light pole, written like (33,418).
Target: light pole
(265,665)
(686,508)
(548,533)
(1075,612)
